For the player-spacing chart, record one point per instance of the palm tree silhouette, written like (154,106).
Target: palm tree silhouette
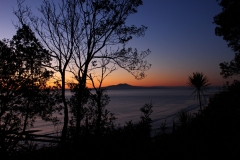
(199,81)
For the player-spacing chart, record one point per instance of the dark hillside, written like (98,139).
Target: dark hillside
(212,134)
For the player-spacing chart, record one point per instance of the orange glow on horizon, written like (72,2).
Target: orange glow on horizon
(144,83)
(152,79)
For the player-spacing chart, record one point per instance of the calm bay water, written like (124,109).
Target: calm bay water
(126,104)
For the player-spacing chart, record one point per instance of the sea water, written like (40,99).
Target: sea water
(126,104)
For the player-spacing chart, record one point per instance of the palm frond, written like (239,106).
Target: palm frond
(199,81)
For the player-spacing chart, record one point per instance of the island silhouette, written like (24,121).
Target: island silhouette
(128,86)
(123,86)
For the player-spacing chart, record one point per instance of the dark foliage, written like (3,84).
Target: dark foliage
(210,134)
(24,95)
(228,26)
(96,120)
(183,119)
(232,68)
(228,22)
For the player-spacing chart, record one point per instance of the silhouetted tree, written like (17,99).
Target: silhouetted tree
(104,25)
(141,131)
(199,82)
(78,31)
(74,103)
(232,68)
(146,121)
(59,31)
(102,119)
(33,76)
(23,91)
(228,26)
(183,118)
(95,118)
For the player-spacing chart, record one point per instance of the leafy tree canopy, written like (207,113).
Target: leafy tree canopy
(228,26)
(23,77)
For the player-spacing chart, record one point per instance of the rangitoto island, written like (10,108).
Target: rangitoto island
(128,86)
(123,86)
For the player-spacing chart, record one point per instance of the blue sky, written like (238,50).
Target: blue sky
(180,36)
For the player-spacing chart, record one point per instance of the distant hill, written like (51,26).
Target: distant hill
(127,86)
(123,86)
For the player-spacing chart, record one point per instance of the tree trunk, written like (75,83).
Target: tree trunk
(99,111)
(200,102)
(78,108)
(26,116)
(65,124)
(82,86)
(25,122)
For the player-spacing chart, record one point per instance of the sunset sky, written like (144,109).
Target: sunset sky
(180,36)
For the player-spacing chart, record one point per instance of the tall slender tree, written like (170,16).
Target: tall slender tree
(105,26)
(59,31)
(199,82)
(78,32)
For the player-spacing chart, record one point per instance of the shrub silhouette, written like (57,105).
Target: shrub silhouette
(183,119)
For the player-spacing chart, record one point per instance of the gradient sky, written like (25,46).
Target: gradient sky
(180,36)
